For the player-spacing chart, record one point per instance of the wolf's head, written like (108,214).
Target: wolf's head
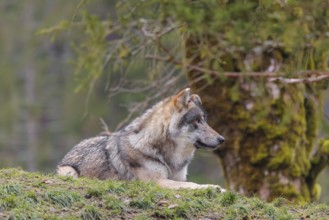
(189,122)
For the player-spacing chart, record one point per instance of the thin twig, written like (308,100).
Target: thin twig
(104,126)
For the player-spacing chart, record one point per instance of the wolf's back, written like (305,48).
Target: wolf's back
(90,158)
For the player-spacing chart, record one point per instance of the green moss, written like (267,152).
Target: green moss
(282,158)
(302,160)
(271,131)
(265,135)
(258,153)
(324,147)
(318,162)
(295,170)
(316,191)
(273,136)
(287,191)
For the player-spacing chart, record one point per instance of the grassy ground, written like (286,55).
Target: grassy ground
(26,195)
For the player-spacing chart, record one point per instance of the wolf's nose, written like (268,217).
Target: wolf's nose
(221,140)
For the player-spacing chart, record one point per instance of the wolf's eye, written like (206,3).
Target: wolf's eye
(198,120)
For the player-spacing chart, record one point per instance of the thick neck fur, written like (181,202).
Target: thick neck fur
(150,134)
(153,122)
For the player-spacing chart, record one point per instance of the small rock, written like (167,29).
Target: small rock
(47,181)
(177,196)
(162,202)
(172,206)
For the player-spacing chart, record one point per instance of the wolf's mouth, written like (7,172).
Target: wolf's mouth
(198,144)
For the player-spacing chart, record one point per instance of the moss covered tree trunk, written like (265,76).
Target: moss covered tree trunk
(270,130)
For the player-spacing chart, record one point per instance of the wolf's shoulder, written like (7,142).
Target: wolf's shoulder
(92,142)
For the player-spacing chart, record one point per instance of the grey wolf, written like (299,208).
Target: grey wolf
(157,146)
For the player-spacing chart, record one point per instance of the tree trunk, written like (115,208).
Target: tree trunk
(29,72)
(269,128)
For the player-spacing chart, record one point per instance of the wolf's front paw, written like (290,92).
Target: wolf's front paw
(214,186)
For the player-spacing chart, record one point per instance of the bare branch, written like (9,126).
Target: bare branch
(302,80)
(310,76)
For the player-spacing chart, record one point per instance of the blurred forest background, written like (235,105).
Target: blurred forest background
(47,106)
(42,115)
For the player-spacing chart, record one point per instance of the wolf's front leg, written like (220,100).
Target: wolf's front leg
(171,184)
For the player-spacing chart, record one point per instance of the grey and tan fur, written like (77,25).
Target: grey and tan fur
(157,146)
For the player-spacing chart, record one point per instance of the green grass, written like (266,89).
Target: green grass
(26,195)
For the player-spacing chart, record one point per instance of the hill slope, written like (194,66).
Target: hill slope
(26,195)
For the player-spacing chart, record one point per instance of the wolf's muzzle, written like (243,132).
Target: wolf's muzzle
(200,144)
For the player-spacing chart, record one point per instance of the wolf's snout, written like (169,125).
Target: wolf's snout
(220,139)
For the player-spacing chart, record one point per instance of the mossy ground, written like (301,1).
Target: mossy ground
(26,195)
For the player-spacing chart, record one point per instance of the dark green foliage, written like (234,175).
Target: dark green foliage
(228,33)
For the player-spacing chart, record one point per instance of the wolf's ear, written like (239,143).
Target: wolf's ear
(182,98)
(196,99)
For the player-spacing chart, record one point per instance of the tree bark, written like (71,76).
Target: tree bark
(269,129)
